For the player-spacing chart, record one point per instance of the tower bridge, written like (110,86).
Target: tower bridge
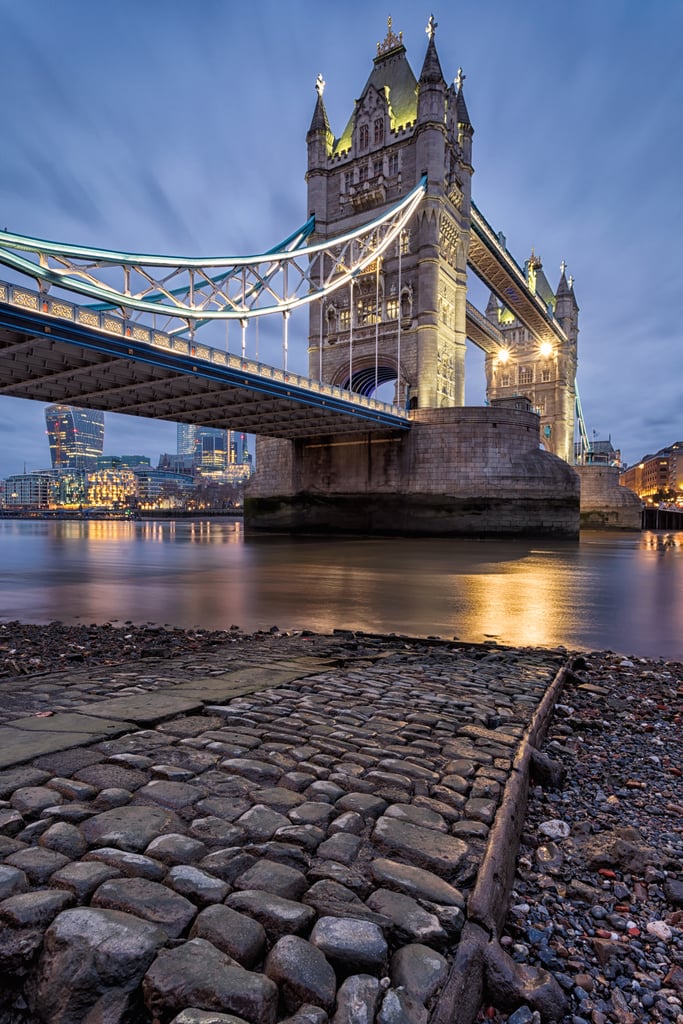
(382,266)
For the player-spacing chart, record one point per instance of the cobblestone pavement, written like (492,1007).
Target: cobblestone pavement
(281,828)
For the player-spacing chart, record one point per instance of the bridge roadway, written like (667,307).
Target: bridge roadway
(53,351)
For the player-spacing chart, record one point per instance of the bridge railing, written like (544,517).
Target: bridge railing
(107,322)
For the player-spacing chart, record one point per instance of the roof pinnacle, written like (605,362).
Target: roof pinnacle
(391,40)
(432,26)
(320,85)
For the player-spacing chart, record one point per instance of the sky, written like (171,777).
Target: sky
(180,128)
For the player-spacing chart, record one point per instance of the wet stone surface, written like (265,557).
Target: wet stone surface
(280,855)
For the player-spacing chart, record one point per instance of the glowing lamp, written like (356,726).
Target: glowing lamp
(546,349)
(503,355)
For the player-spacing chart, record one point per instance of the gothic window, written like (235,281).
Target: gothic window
(526,375)
(344,319)
(545,374)
(392,308)
(347,180)
(367,312)
(393,164)
(505,380)
(362,173)
(379,131)
(377,168)
(363,136)
(405,243)
(332,320)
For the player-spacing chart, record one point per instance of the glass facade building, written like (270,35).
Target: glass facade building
(76,437)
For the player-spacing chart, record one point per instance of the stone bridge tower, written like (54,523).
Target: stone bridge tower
(410,309)
(544,374)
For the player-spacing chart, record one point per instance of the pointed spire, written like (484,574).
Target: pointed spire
(562,288)
(462,114)
(492,308)
(431,68)
(320,122)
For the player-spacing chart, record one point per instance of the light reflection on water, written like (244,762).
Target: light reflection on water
(623,592)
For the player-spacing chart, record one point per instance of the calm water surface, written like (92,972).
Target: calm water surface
(606,591)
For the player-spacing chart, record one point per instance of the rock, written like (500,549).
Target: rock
(301,972)
(277,915)
(254,770)
(82,878)
(423,847)
(31,800)
(554,829)
(416,882)
(422,816)
(342,847)
(398,1007)
(92,964)
(673,890)
(199,975)
(149,900)
(357,1000)
(307,1014)
(409,920)
(660,930)
(133,865)
(419,970)
(510,984)
(128,828)
(194,1016)
(12,881)
(261,822)
(622,848)
(11,822)
(34,909)
(365,804)
(199,887)
(175,848)
(227,863)
(235,934)
(64,838)
(38,864)
(352,946)
(275,878)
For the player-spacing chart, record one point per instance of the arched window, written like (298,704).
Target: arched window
(363,136)
(379,131)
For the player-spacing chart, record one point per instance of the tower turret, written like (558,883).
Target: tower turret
(320,141)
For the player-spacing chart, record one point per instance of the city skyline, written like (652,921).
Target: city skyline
(188,136)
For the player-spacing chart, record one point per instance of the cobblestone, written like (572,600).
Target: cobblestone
(320,813)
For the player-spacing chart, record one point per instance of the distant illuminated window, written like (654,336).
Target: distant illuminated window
(526,375)
(392,308)
(545,375)
(367,312)
(405,243)
(344,319)
(363,136)
(379,131)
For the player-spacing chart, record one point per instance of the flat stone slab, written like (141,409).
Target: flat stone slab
(145,708)
(27,738)
(211,689)
(422,847)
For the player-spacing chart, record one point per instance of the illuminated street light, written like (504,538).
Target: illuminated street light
(503,355)
(546,349)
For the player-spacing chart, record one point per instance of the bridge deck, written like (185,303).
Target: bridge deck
(49,359)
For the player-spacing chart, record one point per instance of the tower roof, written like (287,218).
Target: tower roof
(393,77)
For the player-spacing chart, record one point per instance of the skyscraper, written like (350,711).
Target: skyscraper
(76,436)
(209,446)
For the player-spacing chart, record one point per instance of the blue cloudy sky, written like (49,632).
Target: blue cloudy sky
(167,126)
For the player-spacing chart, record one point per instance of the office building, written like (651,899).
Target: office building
(76,436)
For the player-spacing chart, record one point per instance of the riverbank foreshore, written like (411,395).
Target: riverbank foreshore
(209,826)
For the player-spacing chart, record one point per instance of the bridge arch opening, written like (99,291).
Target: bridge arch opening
(379,381)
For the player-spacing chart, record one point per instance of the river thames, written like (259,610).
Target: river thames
(622,592)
